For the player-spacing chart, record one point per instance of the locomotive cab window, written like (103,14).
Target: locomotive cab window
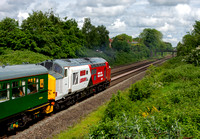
(57,68)
(4,92)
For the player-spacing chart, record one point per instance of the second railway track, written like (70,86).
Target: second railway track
(124,74)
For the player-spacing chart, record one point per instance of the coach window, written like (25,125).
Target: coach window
(86,72)
(32,86)
(4,92)
(23,86)
(41,84)
(17,89)
(95,77)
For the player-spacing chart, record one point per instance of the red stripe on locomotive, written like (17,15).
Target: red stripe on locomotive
(82,72)
(83,79)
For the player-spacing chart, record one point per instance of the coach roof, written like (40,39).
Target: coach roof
(17,71)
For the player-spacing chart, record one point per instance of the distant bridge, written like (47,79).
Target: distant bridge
(174,52)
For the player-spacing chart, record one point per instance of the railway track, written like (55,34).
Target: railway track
(50,125)
(124,74)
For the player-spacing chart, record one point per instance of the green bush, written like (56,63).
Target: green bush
(140,90)
(117,106)
(165,104)
(193,57)
(18,57)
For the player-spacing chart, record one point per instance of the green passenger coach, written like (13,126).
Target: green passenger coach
(22,89)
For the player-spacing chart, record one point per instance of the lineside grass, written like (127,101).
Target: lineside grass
(81,129)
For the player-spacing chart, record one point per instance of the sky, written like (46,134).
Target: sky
(174,18)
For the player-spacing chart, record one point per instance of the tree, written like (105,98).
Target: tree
(54,37)
(103,36)
(96,37)
(196,27)
(8,24)
(190,41)
(121,42)
(168,46)
(152,38)
(121,45)
(124,37)
(73,37)
(41,29)
(90,34)
(12,37)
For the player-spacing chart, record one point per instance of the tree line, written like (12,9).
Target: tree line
(48,34)
(150,39)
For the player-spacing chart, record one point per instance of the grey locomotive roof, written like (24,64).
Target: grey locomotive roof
(55,75)
(17,71)
(51,65)
(79,61)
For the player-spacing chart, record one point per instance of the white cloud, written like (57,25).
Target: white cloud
(166,27)
(183,9)
(167,2)
(104,3)
(196,13)
(44,5)
(149,21)
(100,11)
(4,6)
(141,2)
(169,36)
(21,16)
(172,40)
(118,24)
(135,35)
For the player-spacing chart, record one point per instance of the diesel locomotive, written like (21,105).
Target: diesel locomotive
(30,90)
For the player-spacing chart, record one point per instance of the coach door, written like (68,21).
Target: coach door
(66,81)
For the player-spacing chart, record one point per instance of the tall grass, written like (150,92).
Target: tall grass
(165,104)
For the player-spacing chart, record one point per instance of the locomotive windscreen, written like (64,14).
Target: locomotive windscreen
(48,65)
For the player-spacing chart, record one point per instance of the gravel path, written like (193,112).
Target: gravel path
(66,118)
